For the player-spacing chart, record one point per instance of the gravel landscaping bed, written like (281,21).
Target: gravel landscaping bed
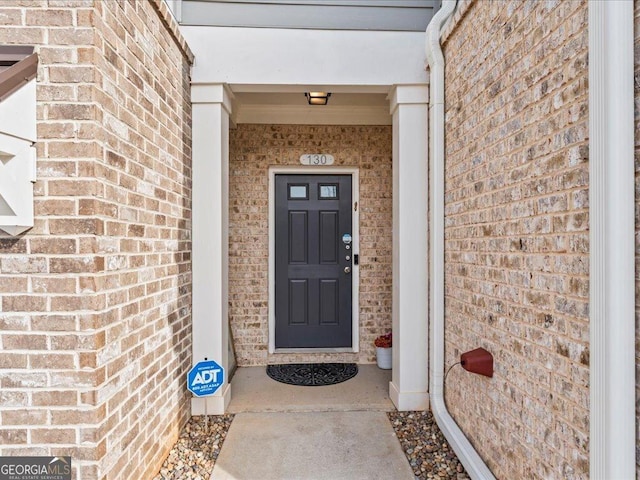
(197,448)
(429,454)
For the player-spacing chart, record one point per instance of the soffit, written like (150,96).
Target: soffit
(387,15)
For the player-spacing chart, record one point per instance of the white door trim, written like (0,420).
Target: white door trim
(355,232)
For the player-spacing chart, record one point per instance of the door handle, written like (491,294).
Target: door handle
(347,269)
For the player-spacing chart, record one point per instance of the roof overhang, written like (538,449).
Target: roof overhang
(18,65)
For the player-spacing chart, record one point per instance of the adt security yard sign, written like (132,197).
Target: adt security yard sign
(205,378)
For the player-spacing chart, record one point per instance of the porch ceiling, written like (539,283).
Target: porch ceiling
(291,107)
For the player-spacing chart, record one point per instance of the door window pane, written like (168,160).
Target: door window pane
(298,192)
(328,191)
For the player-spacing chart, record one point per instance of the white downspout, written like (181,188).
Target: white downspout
(472,462)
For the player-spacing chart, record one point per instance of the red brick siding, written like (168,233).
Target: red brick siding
(96,297)
(516,274)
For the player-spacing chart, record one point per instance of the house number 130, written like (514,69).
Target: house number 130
(316,159)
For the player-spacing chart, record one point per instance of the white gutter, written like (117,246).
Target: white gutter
(472,462)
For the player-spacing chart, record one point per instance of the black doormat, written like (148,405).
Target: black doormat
(312,374)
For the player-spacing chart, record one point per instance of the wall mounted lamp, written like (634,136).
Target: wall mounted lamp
(317,98)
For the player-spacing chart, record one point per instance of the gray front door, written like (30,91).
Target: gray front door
(313,261)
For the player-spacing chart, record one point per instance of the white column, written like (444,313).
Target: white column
(612,441)
(210,235)
(409,384)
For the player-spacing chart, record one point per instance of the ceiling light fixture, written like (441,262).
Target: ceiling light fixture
(317,98)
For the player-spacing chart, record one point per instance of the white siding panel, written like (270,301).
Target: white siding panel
(305,57)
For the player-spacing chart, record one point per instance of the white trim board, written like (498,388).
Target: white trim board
(355,272)
(303,115)
(611,217)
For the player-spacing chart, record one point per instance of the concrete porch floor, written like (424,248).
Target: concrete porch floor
(285,432)
(253,391)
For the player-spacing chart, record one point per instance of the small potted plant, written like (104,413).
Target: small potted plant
(383,351)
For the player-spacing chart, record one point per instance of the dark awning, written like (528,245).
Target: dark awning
(18,65)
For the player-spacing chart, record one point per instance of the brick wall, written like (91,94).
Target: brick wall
(95,307)
(636,32)
(253,148)
(516,251)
